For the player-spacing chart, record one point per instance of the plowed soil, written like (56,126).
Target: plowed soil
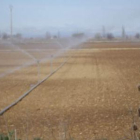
(90,97)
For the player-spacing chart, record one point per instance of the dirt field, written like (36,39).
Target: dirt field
(88,98)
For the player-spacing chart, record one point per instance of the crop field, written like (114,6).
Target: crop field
(90,97)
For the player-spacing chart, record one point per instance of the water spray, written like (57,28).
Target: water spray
(10,44)
(36,61)
(16,69)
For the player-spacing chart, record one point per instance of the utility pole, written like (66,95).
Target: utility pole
(11,20)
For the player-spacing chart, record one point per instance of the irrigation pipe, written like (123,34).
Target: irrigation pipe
(27,93)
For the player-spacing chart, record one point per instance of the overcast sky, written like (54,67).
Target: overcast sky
(37,16)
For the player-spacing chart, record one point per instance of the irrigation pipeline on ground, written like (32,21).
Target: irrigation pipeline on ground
(29,91)
(72,44)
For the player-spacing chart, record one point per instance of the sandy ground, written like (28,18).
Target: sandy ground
(88,98)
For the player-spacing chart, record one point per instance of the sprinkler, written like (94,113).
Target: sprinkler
(38,66)
(51,63)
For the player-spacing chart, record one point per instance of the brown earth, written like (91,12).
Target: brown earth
(89,97)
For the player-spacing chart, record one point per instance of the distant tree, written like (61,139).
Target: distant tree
(103,32)
(110,36)
(78,35)
(55,36)
(137,35)
(18,35)
(123,32)
(5,36)
(58,34)
(98,36)
(48,35)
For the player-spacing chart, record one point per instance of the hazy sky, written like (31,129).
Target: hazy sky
(40,15)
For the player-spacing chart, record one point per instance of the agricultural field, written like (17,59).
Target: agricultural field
(90,97)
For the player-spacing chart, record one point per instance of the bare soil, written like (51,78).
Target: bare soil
(89,97)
